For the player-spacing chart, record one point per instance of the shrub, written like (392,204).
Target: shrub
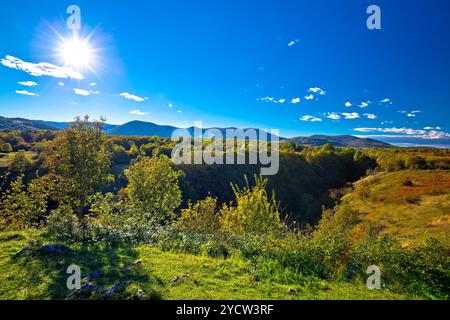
(20,163)
(153,189)
(201,217)
(254,212)
(416,163)
(63,224)
(6,147)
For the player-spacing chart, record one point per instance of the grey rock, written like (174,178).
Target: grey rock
(57,248)
(24,250)
(292,292)
(85,291)
(117,288)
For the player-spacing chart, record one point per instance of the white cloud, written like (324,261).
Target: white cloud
(92,84)
(292,42)
(179,111)
(352,115)
(386,101)
(295,100)
(309,97)
(170,105)
(433,134)
(28,83)
(370,116)
(271,99)
(138,112)
(26,93)
(406,131)
(364,104)
(411,115)
(73,102)
(317,90)
(133,97)
(333,115)
(94,92)
(61,84)
(82,92)
(432,128)
(348,104)
(41,69)
(310,118)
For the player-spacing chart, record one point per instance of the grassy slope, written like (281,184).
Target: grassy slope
(42,276)
(415,211)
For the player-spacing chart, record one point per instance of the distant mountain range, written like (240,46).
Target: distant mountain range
(141,128)
(340,141)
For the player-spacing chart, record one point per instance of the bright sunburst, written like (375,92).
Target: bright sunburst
(76,52)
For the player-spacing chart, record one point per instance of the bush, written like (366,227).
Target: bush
(153,189)
(63,224)
(201,217)
(416,163)
(6,147)
(20,163)
(254,212)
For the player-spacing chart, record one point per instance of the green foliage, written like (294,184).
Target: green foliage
(153,189)
(6,147)
(254,212)
(23,207)
(20,163)
(63,224)
(416,163)
(81,158)
(200,217)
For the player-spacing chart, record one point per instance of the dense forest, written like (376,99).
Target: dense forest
(84,188)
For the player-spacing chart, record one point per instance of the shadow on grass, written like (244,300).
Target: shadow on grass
(44,274)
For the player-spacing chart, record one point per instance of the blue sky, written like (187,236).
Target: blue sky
(288,65)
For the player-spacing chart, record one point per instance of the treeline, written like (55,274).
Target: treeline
(302,185)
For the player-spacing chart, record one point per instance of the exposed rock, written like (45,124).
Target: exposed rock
(117,288)
(140,294)
(57,248)
(24,250)
(292,292)
(85,291)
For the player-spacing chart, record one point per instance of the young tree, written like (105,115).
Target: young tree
(20,163)
(80,156)
(21,206)
(255,211)
(153,189)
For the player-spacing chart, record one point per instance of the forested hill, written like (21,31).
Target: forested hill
(142,128)
(340,141)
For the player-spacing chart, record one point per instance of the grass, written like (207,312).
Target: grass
(43,276)
(414,204)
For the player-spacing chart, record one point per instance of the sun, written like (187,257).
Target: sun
(76,52)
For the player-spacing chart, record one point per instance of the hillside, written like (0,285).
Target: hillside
(340,141)
(43,276)
(413,204)
(24,124)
